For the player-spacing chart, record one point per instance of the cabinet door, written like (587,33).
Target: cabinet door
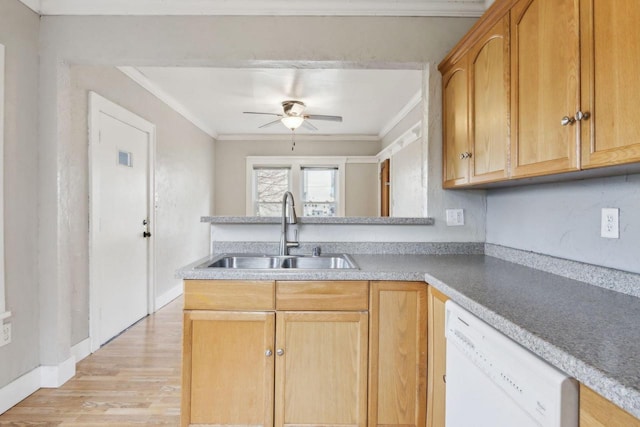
(455,115)
(610,84)
(596,411)
(321,369)
(545,86)
(228,367)
(437,359)
(489,104)
(398,354)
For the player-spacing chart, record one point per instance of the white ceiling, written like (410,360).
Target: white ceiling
(260,7)
(370,101)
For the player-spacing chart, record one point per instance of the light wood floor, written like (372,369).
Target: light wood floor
(133,380)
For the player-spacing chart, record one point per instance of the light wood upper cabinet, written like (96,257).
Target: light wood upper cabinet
(398,354)
(489,104)
(455,84)
(227,372)
(545,88)
(437,359)
(610,84)
(321,369)
(475,87)
(570,83)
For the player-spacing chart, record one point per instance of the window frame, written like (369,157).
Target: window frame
(254,190)
(296,163)
(336,177)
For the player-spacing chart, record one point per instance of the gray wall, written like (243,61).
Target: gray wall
(406,175)
(230,166)
(184,183)
(361,189)
(563,220)
(19,28)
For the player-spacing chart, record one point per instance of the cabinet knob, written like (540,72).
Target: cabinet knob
(280,351)
(566,120)
(465,155)
(268,353)
(582,116)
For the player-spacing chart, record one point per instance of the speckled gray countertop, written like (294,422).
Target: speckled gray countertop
(591,333)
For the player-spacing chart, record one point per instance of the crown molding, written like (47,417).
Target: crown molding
(466,8)
(138,77)
(410,135)
(413,102)
(298,137)
(35,5)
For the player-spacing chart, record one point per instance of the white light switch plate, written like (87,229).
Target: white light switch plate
(610,223)
(455,217)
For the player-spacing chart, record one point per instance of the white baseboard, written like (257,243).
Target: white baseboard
(32,381)
(55,376)
(81,350)
(17,390)
(168,296)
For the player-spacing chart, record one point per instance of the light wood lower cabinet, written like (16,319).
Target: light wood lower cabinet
(290,354)
(227,377)
(437,358)
(321,368)
(596,411)
(398,354)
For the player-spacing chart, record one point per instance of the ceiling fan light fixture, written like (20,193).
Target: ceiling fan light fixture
(292,122)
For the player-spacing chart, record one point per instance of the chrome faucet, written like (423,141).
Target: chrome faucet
(285,244)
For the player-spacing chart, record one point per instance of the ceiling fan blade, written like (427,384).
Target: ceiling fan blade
(308,125)
(322,117)
(266,125)
(265,114)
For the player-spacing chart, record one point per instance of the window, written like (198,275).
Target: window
(269,185)
(319,191)
(317,184)
(3,313)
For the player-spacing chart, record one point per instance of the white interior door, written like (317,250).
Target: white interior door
(121,147)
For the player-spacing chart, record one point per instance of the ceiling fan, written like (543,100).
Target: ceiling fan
(293,117)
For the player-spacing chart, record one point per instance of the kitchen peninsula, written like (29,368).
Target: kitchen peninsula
(587,331)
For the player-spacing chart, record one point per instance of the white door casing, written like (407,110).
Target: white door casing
(121,164)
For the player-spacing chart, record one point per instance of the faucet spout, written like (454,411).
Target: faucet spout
(285,244)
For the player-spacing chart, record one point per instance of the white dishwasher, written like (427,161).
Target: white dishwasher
(491,381)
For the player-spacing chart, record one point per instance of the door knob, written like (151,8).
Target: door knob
(146,234)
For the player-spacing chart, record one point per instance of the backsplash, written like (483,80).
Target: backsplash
(563,220)
(608,278)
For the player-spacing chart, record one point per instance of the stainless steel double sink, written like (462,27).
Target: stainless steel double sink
(259,262)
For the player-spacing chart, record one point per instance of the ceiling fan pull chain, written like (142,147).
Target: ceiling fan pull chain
(293,140)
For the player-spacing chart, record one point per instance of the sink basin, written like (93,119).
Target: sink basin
(293,262)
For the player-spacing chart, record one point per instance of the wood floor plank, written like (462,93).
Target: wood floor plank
(131,381)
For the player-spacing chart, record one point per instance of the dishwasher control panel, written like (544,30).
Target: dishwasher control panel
(532,384)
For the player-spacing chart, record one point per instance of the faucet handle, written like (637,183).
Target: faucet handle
(316,251)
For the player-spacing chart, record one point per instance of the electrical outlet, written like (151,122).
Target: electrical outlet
(610,223)
(455,217)
(5,337)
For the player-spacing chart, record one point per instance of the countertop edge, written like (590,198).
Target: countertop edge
(348,220)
